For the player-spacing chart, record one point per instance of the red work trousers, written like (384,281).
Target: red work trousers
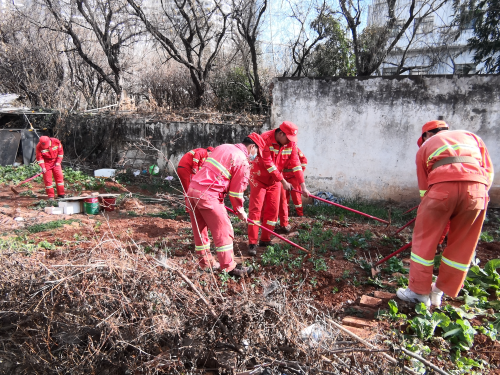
(463,204)
(263,209)
(185,177)
(210,213)
(58,176)
(285,201)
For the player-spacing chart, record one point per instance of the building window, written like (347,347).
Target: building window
(423,25)
(419,71)
(465,68)
(396,29)
(389,71)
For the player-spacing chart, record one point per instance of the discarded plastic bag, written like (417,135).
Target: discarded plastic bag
(314,334)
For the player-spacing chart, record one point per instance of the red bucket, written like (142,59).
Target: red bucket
(108,204)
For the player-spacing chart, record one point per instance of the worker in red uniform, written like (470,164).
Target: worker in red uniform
(225,172)
(454,173)
(49,155)
(266,181)
(289,175)
(190,164)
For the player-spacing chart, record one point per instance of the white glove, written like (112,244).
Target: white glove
(242,215)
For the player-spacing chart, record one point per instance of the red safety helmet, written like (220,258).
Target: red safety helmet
(429,126)
(259,141)
(290,129)
(210,149)
(45,141)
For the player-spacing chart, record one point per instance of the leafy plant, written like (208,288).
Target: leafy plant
(349,253)
(319,264)
(460,333)
(46,245)
(395,265)
(48,226)
(479,281)
(393,311)
(276,255)
(425,324)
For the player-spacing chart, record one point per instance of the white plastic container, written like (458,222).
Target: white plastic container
(62,204)
(57,211)
(48,210)
(106,172)
(76,206)
(68,210)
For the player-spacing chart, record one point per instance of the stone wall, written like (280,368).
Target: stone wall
(360,134)
(110,141)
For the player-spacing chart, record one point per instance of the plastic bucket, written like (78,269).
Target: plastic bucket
(108,204)
(91,206)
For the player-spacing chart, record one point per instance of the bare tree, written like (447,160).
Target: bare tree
(376,41)
(190,32)
(99,31)
(30,63)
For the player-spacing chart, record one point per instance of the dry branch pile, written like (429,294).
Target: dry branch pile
(117,311)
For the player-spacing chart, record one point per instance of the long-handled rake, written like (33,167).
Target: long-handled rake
(347,208)
(275,234)
(375,269)
(13,188)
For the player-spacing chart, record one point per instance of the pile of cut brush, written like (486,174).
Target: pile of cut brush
(125,312)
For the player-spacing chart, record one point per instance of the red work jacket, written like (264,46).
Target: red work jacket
(449,143)
(268,167)
(194,159)
(48,157)
(288,171)
(226,171)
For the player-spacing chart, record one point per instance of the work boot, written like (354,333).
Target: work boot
(410,296)
(61,196)
(240,271)
(436,295)
(252,249)
(265,243)
(285,229)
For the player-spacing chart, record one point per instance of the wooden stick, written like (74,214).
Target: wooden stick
(425,362)
(367,344)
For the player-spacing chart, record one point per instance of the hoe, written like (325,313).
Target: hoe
(13,188)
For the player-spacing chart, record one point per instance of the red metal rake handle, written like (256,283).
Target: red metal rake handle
(32,178)
(393,254)
(346,208)
(275,234)
(404,226)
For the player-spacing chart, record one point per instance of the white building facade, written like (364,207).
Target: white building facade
(430,45)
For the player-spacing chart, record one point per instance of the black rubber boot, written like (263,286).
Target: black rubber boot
(240,271)
(252,249)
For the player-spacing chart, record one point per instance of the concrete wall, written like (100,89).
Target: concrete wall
(360,134)
(108,141)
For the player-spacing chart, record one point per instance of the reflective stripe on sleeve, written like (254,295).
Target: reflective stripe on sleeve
(304,164)
(459,266)
(236,195)
(422,192)
(269,222)
(191,152)
(41,161)
(60,156)
(220,167)
(286,151)
(55,148)
(273,149)
(296,169)
(224,248)
(196,160)
(44,151)
(422,261)
(272,169)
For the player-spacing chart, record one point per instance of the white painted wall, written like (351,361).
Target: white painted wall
(360,134)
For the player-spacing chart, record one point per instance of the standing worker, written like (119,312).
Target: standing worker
(289,175)
(454,173)
(226,171)
(49,155)
(266,181)
(190,164)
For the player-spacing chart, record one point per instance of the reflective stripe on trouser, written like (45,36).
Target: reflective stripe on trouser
(264,202)
(463,205)
(58,177)
(210,213)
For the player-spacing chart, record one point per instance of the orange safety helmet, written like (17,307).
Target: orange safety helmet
(45,141)
(430,126)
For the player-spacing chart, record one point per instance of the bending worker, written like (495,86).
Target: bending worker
(266,181)
(49,155)
(190,164)
(226,171)
(289,175)
(454,173)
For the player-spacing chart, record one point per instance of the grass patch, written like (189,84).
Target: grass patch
(169,214)
(48,226)
(376,209)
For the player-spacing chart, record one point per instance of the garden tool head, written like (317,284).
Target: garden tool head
(14,190)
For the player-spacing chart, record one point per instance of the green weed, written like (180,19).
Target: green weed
(276,255)
(395,265)
(486,237)
(48,226)
(319,264)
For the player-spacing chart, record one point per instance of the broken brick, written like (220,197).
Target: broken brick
(358,322)
(368,301)
(406,261)
(384,296)
(363,333)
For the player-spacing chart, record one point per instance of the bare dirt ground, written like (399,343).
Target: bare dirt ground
(132,237)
